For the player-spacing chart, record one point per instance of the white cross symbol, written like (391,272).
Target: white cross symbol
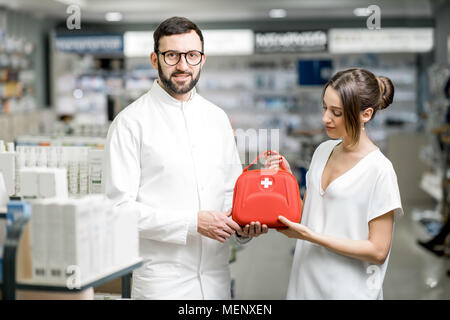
(266,182)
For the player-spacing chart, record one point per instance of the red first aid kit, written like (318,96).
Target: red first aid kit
(263,195)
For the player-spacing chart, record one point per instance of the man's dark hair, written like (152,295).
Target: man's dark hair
(175,25)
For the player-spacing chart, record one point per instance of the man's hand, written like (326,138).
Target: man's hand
(217,225)
(254,229)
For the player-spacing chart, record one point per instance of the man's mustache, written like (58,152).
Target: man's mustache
(181,73)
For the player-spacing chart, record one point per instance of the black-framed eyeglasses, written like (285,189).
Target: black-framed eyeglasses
(193,57)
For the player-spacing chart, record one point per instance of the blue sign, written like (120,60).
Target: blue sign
(92,44)
(314,72)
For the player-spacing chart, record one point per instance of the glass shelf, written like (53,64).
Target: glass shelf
(31,284)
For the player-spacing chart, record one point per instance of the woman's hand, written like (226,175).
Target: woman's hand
(295,230)
(373,250)
(273,161)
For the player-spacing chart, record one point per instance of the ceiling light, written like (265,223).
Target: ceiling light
(78,94)
(80,3)
(277,13)
(362,12)
(113,16)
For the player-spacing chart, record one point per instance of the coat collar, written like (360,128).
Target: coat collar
(162,94)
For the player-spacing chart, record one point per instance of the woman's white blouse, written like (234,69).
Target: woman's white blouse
(343,210)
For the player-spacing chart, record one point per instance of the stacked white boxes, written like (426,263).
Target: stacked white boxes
(37,182)
(83,167)
(86,236)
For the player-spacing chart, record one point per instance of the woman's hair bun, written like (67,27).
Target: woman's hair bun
(387,92)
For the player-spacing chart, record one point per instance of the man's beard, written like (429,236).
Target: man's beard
(170,85)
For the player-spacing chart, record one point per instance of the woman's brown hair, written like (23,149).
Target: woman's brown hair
(360,89)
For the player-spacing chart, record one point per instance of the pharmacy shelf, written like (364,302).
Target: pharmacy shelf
(431,183)
(10,284)
(32,284)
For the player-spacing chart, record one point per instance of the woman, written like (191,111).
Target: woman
(352,195)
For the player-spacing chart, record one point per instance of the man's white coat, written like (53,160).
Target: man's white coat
(169,159)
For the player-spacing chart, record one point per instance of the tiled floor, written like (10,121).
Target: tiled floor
(413,272)
(262,268)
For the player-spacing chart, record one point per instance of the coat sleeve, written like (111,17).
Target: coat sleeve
(122,175)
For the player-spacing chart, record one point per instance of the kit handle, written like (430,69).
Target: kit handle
(283,167)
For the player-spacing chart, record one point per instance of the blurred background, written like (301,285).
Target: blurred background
(67,67)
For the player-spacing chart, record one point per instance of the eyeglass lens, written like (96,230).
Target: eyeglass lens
(192,57)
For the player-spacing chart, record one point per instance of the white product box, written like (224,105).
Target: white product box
(55,241)
(98,205)
(76,240)
(7,168)
(29,182)
(109,237)
(3,194)
(83,173)
(77,233)
(114,242)
(125,233)
(53,183)
(38,231)
(95,170)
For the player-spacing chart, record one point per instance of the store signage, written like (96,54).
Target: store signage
(293,41)
(138,43)
(217,42)
(228,42)
(380,41)
(90,44)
